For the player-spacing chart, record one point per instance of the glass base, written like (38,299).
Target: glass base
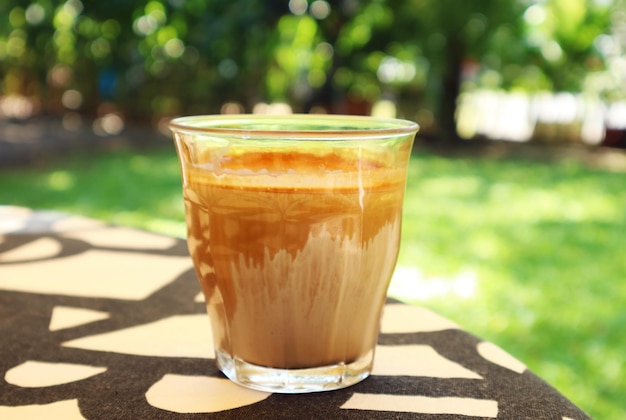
(294,381)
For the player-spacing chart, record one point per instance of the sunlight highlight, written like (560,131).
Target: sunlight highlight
(411,284)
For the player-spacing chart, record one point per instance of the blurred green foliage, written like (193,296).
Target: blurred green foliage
(152,58)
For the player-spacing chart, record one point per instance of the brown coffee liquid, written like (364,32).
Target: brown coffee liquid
(294,253)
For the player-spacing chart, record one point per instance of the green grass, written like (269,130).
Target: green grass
(531,256)
(141,189)
(528,255)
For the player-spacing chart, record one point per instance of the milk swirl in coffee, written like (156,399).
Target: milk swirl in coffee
(294,262)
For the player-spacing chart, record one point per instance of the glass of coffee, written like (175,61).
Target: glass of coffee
(294,227)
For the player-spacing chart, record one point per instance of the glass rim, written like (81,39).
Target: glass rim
(327,126)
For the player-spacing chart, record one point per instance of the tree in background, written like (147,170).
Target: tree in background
(456,37)
(154,58)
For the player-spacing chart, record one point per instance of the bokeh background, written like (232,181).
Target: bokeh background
(515,217)
(517,70)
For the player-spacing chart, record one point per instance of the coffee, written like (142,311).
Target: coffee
(294,252)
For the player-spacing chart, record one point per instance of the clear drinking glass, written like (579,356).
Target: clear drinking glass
(294,227)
